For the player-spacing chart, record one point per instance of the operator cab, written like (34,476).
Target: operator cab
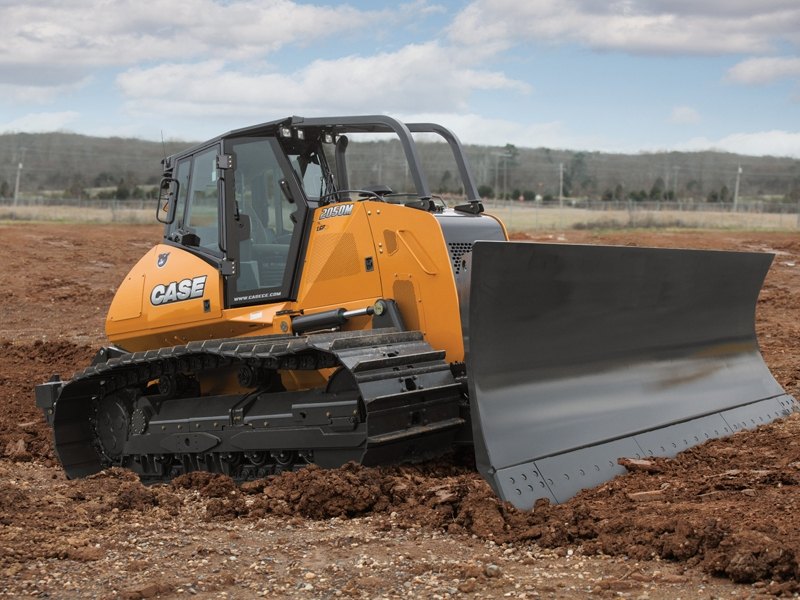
(243,201)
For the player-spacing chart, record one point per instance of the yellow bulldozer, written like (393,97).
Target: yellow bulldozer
(294,315)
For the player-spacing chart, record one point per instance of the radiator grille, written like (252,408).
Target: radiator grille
(457,250)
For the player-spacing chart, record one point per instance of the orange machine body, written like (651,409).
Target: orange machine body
(377,250)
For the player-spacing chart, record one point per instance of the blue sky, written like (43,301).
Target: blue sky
(621,76)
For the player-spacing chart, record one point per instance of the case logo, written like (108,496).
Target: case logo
(162,259)
(177,291)
(340,210)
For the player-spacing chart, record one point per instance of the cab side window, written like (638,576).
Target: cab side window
(182,175)
(202,210)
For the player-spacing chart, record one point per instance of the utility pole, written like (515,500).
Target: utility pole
(496,162)
(505,175)
(675,183)
(19,172)
(736,189)
(561,185)
(497,156)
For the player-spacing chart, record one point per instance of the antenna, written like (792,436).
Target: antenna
(164,147)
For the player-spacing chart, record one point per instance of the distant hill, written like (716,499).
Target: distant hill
(58,161)
(70,163)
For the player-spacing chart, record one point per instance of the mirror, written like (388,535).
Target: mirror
(167,199)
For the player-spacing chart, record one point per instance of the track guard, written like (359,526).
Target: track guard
(580,355)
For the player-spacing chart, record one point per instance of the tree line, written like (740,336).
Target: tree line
(83,166)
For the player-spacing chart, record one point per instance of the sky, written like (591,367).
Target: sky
(617,76)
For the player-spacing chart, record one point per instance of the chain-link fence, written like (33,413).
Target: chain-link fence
(518,216)
(78,211)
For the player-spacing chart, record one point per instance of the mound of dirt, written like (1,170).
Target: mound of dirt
(24,434)
(65,522)
(728,506)
(741,523)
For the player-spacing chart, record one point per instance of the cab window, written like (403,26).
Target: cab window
(202,211)
(309,172)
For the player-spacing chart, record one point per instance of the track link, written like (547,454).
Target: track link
(391,398)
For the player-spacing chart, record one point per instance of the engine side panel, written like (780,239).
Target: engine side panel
(416,272)
(339,269)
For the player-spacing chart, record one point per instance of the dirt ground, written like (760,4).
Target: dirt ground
(720,520)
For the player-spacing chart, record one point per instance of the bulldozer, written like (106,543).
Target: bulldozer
(298,312)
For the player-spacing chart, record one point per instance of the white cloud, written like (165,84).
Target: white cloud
(726,8)
(636,26)
(77,35)
(22,93)
(472,128)
(764,70)
(684,115)
(758,143)
(476,129)
(50,45)
(421,7)
(40,122)
(416,78)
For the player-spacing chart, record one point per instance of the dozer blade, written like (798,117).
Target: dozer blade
(580,355)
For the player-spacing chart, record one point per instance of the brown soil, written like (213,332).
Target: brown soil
(718,520)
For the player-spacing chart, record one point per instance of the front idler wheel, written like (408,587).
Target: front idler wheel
(112,425)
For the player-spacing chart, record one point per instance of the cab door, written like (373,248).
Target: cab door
(265,219)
